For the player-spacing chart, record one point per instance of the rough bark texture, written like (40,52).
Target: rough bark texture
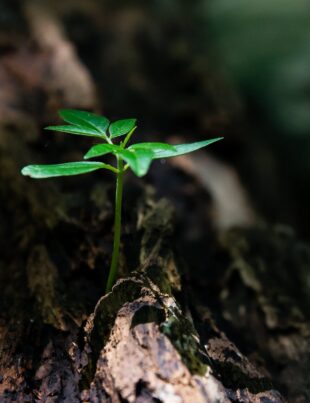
(138,345)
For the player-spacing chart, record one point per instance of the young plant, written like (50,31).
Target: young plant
(137,157)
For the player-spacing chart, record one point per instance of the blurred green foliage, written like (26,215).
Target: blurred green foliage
(265,45)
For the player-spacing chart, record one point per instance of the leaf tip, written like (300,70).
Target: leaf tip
(25,171)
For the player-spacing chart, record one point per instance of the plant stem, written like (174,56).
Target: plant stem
(117,225)
(127,138)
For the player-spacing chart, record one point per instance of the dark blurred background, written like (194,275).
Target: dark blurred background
(194,69)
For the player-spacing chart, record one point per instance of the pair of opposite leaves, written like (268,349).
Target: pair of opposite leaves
(138,156)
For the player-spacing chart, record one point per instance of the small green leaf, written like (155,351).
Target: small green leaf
(138,160)
(85,119)
(101,149)
(81,131)
(66,169)
(121,127)
(155,147)
(181,149)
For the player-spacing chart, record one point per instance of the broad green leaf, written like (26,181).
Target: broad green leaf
(85,119)
(155,147)
(181,149)
(138,160)
(121,127)
(66,169)
(81,131)
(101,149)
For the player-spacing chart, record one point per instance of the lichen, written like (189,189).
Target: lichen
(183,336)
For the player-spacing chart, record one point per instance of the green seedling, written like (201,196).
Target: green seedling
(137,157)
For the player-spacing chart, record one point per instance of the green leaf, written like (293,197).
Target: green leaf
(81,131)
(121,127)
(138,160)
(155,147)
(66,169)
(181,149)
(85,119)
(101,149)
